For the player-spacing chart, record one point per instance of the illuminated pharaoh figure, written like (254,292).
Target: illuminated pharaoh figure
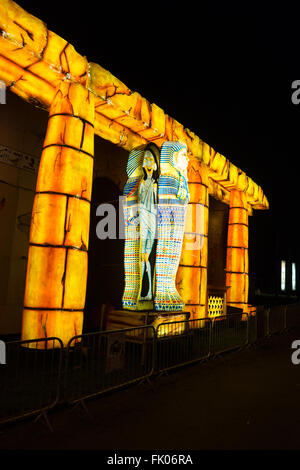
(173,197)
(140,192)
(148,212)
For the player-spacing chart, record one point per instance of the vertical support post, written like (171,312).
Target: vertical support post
(237,252)
(191,277)
(59,236)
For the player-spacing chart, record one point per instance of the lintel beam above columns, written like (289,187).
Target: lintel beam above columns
(33,60)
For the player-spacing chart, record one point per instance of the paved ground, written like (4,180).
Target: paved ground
(244,400)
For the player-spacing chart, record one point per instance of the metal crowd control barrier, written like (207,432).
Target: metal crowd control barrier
(229,332)
(182,342)
(30,378)
(252,328)
(293,316)
(277,319)
(105,360)
(33,380)
(263,317)
(271,320)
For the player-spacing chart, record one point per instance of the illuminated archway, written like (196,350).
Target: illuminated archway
(82,99)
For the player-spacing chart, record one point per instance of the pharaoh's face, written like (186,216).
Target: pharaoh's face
(149,163)
(181,160)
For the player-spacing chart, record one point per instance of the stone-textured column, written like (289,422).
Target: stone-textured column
(59,235)
(237,252)
(192,272)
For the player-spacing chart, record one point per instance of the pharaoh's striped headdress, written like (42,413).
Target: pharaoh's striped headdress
(135,160)
(167,151)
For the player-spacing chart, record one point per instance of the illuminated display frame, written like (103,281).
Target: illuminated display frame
(86,99)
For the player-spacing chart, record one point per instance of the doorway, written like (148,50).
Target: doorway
(105,283)
(217,249)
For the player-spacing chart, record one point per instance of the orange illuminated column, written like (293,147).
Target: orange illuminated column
(59,235)
(191,277)
(237,252)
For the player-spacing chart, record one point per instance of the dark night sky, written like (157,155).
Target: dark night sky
(222,69)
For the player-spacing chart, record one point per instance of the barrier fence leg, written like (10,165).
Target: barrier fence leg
(211,341)
(148,381)
(251,343)
(81,403)
(43,415)
(155,357)
(284,318)
(248,333)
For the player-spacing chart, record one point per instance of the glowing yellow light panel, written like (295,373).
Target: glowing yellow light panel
(237,252)
(57,262)
(215,306)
